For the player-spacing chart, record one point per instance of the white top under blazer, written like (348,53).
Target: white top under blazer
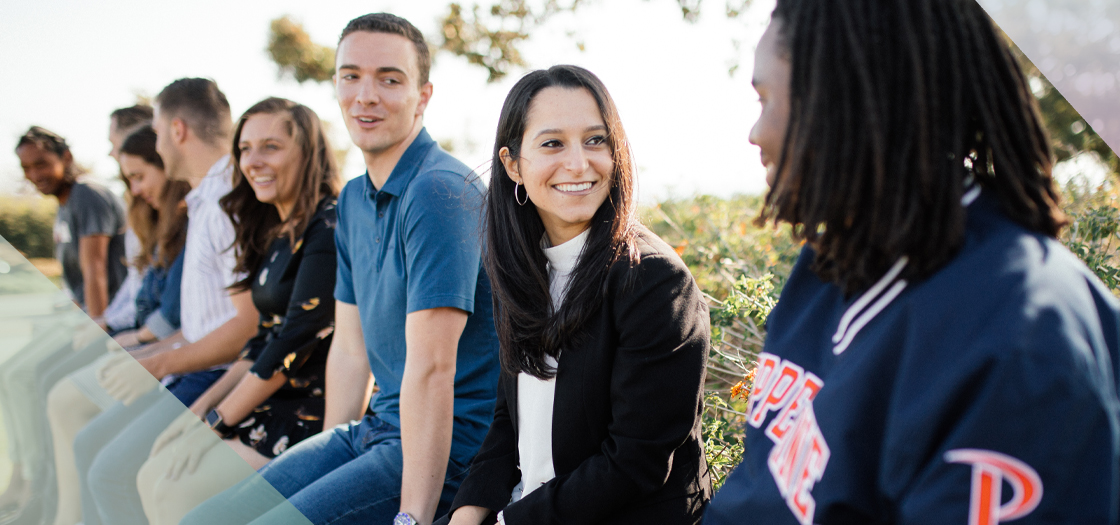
(534,396)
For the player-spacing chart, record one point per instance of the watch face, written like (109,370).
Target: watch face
(403,519)
(212,418)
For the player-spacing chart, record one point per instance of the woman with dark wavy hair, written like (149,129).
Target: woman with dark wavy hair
(604,334)
(937,356)
(283,209)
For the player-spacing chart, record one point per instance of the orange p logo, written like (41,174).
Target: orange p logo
(989,471)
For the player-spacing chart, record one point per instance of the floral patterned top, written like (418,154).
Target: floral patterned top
(293,291)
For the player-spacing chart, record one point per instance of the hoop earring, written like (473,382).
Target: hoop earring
(517,200)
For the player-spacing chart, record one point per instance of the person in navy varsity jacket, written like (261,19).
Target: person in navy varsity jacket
(936,356)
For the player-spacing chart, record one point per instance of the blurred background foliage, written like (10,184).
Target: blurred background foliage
(741,267)
(28,224)
(296,56)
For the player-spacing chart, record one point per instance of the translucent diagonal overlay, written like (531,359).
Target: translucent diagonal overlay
(1076,45)
(71,450)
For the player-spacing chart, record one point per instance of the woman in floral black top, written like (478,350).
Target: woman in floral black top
(293,291)
(283,210)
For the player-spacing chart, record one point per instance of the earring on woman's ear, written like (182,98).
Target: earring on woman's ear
(515,198)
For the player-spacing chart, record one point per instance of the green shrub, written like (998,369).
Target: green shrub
(741,268)
(28,224)
(1094,229)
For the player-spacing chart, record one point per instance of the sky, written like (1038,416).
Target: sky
(67,64)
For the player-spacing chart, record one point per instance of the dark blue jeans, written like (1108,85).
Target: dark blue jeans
(350,474)
(110,450)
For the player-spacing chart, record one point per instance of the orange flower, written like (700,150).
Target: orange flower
(737,390)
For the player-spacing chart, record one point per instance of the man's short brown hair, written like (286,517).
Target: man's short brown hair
(132,116)
(199,103)
(395,25)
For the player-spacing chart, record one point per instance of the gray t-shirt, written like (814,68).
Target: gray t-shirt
(90,210)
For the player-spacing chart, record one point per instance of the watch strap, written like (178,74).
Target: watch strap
(214,420)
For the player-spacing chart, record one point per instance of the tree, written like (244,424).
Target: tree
(489,37)
(296,55)
(1070,135)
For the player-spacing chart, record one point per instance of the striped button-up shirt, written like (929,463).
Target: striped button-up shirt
(209,262)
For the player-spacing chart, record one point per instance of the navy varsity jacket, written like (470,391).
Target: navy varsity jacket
(983,394)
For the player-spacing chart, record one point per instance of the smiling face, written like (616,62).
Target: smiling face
(378,90)
(565,162)
(772,82)
(270,158)
(43,168)
(145,181)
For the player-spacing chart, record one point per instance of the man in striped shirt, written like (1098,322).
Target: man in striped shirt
(192,122)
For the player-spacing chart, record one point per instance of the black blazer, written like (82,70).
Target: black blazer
(626,442)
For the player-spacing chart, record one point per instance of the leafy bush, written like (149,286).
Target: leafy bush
(28,224)
(741,268)
(1094,229)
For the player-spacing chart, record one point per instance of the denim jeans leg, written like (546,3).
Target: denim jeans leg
(285,476)
(190,387)
(346,475)
(94,436)
(112,477)
(364,489)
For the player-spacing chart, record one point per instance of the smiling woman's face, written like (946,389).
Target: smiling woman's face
(270,158)
(565,163)
(772,82)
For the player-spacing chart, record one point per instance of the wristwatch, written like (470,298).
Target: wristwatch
(214,421)
(404,518)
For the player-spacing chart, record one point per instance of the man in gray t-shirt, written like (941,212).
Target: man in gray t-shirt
(90,210)
(89,228)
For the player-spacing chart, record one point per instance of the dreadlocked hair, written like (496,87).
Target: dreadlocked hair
(896,106)
(527,325)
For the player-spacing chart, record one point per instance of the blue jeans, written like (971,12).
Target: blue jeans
(350,474)
(110,450)
(190,387)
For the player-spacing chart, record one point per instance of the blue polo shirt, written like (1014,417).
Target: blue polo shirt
(417,244)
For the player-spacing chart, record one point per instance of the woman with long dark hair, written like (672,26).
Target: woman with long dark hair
(937,356)
(283,209)
(604,334)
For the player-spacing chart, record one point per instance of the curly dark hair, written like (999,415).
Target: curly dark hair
(48,140)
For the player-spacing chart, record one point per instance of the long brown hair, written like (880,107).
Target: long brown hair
(257,224)
(896,106)
(162,233)
(528,329)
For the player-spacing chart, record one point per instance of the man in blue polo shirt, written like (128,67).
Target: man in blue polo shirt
(413,307)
